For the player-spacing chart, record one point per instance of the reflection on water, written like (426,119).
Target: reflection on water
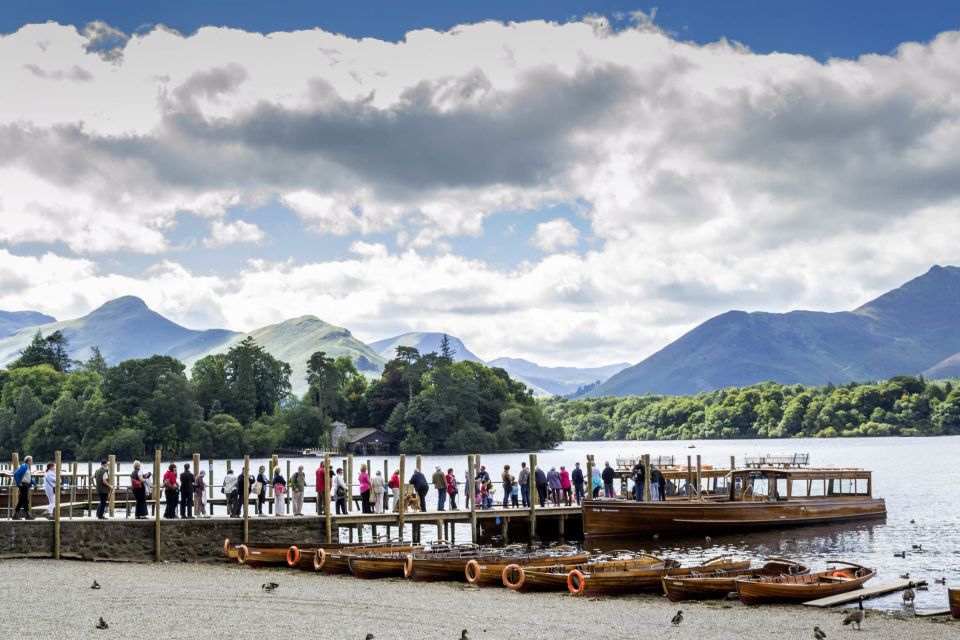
(918,477)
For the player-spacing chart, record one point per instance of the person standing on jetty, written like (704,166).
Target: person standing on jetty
(339,492)
(421,486)
(323,500)
(655,478)
(577,478)
(524,479)
(50,488)
(607,477)
(102,482)
(279,488)
(638,476)
(139,491)
(377,489)
(440,484)
(260,488)
(364,481)
(553,479)
(186,492)
(23,480)
(229,489)
(540,479)
(566,486)
(452,489)
(200,495)
(298,484)
(507,479)
(395,488)
(170,487)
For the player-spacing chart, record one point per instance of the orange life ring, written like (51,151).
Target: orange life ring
(472,571)
(226,547)
(507,576)
(243,553)
(575,590)
(841,574)
(408,565)
(319,559)
(293,556)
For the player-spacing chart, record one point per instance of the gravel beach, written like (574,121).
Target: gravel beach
(54,600)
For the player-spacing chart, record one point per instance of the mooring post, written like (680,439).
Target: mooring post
(327,522)
(274,463)
(156,505)
(646,477)
(588,488)
(112,465)
(402,502)
(90,488)
(506,529)
(699,476)
(533,497)
(210,482)
(349,472)
(386,492)
(689,478)
(472,488)
(196,472)
(245,492)
(286,492)
(73,487)
(56,508)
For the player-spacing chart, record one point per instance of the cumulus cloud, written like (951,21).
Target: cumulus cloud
(710,176)
(555,234)
(227,233)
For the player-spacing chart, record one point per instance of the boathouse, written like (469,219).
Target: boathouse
(363,441)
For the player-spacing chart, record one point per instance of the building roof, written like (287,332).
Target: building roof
(355,435)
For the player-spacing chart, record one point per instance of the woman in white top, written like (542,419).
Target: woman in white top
(50,487)
(378,489)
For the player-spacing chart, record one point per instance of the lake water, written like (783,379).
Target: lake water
(918,477)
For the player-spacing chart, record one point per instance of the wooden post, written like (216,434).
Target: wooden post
(56,509)
(14,489)
(533,497)
(506,529)
(244,487)
(689,478)
(196,472)
(286,492)
(156,505)
(274,463)
(210,482)
(73,487)
(588,493)
(349,473)
(386,492)
(472,488)
(90,488)
(420,462)
(401,506)
(327,522)
(646,477)
(699,476)
(111,498)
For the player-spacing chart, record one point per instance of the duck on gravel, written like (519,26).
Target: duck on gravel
(677,619)
(856,616)
(818,634)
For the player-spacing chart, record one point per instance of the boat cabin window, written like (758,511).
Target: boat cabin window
(847,487)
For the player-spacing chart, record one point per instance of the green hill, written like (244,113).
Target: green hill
(13,321)
(424,342)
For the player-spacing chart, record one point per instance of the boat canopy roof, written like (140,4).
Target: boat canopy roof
(843,473)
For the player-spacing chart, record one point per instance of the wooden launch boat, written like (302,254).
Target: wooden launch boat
(315,558)
(801,588)
(379,565)
(489,571)
(755,498)
(720,582)
(953,596)
(448,565)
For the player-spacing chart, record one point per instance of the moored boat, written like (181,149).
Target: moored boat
(489,571)
(838,578)
(643,571)
(756,498)
(953,596)
(609,578)
(720,582)
(379,565)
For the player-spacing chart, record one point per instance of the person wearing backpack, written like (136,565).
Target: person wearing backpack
(507,478)
(298,485)
(187,481)
(101,479)
(279,489)
(260,489)
(229,489)
(339,492)
(23,480)
(139,491)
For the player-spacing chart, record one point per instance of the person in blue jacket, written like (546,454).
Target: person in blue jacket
(23,479)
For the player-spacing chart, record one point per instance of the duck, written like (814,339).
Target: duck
(940,580)
(904,576)
(463,635)
(917,547)
(269,586)
(900,554)
(818,634)
(677,619)
(102,624)
(856,616)
(95,585)
(369,636)
(908,595)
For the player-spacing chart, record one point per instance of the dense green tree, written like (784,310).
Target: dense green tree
(52,350)
(257,382)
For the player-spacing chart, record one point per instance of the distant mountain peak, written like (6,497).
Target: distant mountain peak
(122,304)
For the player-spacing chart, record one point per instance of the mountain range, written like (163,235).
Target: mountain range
(127,328)
(910,330)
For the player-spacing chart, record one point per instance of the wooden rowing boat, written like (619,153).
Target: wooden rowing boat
(454,565)
(953,596)
(720,582)
(489,571)
(315,558)
(378,565)
(801,588)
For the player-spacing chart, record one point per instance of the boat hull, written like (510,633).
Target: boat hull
(797,588)
(953,595)
(628,518)
(618,582)
(678,588)
(374,567)
(490,572)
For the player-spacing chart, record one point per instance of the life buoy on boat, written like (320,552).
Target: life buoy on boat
(243,553)
(841,574)
(319,559)
(472,571)
(408,565)
(575,582)
(226,547)
(293,556)
(513,576)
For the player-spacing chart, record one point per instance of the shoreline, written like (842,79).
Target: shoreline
(226,601)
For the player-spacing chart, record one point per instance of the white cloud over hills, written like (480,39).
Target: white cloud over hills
(711,177)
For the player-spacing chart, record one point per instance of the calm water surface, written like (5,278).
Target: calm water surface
(918,477)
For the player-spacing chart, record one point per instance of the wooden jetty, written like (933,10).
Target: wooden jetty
(865,593)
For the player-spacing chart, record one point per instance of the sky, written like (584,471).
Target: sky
(569,182)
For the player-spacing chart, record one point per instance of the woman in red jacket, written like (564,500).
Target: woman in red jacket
(566,485)
(395,488)
(452,490)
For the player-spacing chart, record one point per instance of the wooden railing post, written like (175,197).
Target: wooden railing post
(156,505)
(588,492)
(472,488)
(56,508)
(196,472)
(244,488)
(327,518)
(14,489)
(646,477)
(534,497)
(401,505)
(112,496)
(210,483)
(73,487)
(271,497)
(349,472)
(699,476)
(286,492)
(90,488)
(689,478)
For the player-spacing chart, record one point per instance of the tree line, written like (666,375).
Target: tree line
(240,402)
(902,405)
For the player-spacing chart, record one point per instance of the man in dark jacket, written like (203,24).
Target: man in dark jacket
(639,477)
(421,486)
(577,479)
(540,479)
(607,476)
(186,492)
